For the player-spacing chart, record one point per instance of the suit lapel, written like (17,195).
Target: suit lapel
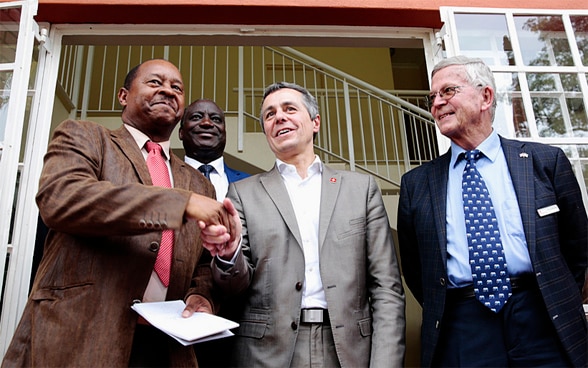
(123,139)
(274,185)
(438,189)
(180,173)
(331,184)
(520,167)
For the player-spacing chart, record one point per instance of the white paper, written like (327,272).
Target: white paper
(167,316)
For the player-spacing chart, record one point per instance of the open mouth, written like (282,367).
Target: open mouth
(283,131)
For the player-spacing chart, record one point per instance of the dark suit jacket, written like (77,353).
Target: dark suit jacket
(557,243)
(358,269)
(105,221)
(234,175)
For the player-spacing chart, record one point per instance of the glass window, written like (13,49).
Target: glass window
(484,36)
(558,105)
(9,22)
(580,26)
(510,111)
(543,40)
(5,82)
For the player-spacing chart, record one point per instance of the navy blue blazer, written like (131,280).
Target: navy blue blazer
(558,243)
(234,175)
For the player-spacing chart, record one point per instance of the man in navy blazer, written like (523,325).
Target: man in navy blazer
(203,135)
(543,227)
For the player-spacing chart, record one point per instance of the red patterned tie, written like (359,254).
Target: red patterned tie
(160,177)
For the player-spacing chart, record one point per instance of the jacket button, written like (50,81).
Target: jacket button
(294,326)
(157,225)
(143,223)
(154,246)
(298,286)
(442,281)
(149,224)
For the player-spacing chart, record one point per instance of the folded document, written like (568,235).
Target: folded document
(167,316)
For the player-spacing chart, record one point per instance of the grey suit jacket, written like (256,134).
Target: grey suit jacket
(557,243)
(358,269)
(105,221)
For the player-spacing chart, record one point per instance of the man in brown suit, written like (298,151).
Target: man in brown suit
(106,220)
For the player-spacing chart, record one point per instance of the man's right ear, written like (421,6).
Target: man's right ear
(122,96)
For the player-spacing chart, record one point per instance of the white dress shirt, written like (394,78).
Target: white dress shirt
(305,196)
(218,177)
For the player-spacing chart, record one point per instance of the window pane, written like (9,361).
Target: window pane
(580,25)
(5,82)
(510,110)
(558,105)
(9,22)
(484,36)
(578,153)
(543,40)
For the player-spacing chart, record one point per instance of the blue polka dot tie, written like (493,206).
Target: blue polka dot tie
(489,272)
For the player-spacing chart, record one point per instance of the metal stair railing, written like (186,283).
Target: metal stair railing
(363,127)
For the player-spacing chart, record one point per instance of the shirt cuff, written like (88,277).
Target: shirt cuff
(225,265)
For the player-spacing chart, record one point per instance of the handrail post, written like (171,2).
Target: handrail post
(349,126)
(241,103)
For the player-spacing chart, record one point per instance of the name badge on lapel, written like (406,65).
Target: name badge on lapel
(548,210)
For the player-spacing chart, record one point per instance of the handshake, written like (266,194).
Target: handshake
(219,223)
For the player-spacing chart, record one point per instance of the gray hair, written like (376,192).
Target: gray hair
(478,74)
(307,98)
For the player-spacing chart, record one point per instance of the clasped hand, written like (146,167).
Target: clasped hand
(220,240)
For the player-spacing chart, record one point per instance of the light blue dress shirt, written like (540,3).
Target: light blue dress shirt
(494,169)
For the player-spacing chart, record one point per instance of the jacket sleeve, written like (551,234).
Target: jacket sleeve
(573,220)
(387,298)
(235,279)
(84,187)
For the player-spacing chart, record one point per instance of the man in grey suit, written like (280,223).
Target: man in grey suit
(543,231)
(316,266)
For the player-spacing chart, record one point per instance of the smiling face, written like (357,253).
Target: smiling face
(466,117)
(154,100)
(203,131)
(289,130)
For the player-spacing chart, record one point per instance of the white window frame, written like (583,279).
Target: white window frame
(452,48)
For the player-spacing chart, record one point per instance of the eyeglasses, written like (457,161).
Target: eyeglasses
(446,94)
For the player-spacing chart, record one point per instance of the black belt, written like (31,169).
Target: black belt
(315,316)
(517,283)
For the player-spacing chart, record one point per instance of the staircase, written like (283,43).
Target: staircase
(363,128)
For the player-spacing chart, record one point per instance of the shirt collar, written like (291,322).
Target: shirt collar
(218,164)
(141,138)
(490,149)
(288,169)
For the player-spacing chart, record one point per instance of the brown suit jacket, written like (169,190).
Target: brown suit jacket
(105,221)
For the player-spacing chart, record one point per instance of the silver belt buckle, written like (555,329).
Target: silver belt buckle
(311,316)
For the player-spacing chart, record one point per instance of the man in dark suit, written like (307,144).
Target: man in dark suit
(203,135)
(543,234)
(106,220)
(316,266)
